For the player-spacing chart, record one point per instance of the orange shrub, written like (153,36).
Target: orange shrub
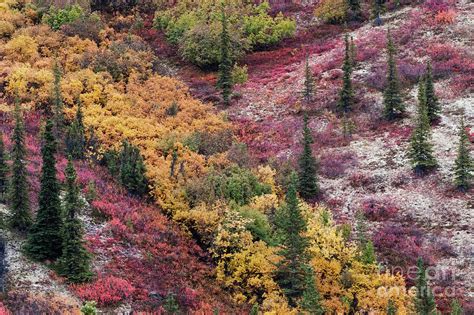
(445,17)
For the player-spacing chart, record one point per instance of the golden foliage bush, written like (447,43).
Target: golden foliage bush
(22,48)
(332,11)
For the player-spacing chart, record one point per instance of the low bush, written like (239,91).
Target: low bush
(6,29)
(196,28)
(56,18)
(379,208)
(106,291)
(332,11)
(399,248)
(86,27)
(236,184)
(335,164)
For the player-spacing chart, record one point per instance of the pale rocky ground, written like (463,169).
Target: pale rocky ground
(37,279)
(27,276)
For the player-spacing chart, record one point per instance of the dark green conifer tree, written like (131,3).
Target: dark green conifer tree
(456,308)
(432,103)
(307,173)
(353,54)
(308,90)
(132,170)
(3,170)
(57,110)
(354,6)
(366,247)
(45,238)
(424,299)
(74,263)
(378,7)
(464,164)
(346,95)
(225,66)
(421,150)
(393,104)
(311,300)
(293,269)
(18,196)
(422,92)
(75,136)
(391,308)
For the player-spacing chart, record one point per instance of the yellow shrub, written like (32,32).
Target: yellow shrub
(341,277)
(30,83)
(22,48)
(332,11)
(6,29)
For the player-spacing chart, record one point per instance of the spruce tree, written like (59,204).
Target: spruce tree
(3,170)
(308,90)
(464,164)
(378,7)
(432,103)
(354,6)
(393,104)
(225,65)
(422,92)
(308,179)
(366,247)
(353,53)
(45,238)
(346,95)
(293,269)
(311,300)
(456,308)
(421,150)
(132,170)
(57,110)
(391,308)
(75,136)
(74,263)
(18,196)
(424,299)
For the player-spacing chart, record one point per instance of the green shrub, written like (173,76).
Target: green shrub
(55,17)
(259,225)
(195,28)
(239,74)
(241,185)
(235,185)
(262,30)
(89,308)
(332,11)
(199,45)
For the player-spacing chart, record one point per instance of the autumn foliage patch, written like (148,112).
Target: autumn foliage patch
(106,291)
